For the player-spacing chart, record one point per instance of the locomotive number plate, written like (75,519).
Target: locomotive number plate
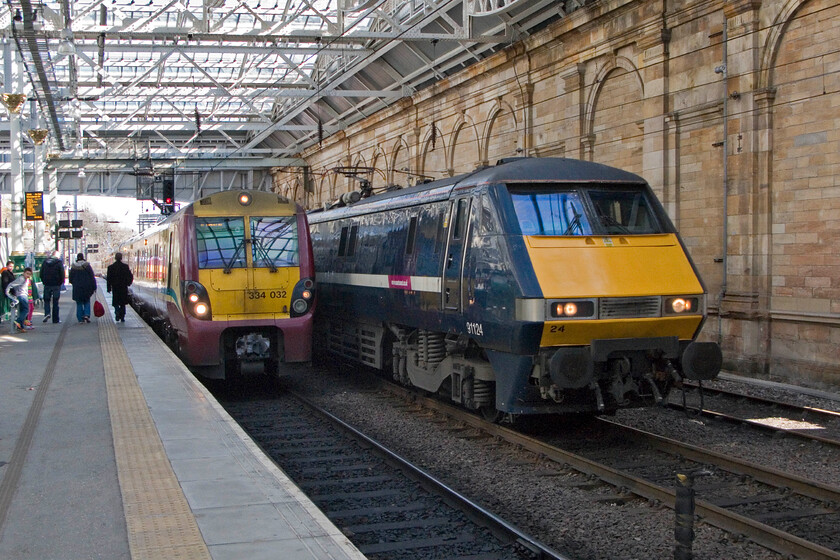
(475,329)
(263,294)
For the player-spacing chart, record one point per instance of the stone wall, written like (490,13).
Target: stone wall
(744,154)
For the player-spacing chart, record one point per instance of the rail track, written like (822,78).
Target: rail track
(785,513)
(387,507)
(794,420)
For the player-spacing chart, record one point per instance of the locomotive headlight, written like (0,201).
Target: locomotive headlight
(682,305)
(299,306)
(303,297)
(244,199)
(197,300)
(577,309)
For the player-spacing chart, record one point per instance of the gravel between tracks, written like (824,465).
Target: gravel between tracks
(556,506)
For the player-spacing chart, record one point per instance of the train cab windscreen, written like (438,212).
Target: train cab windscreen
(569,210)
(220,242)
(274,241)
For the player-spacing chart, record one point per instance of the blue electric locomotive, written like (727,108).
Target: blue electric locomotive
(533,286)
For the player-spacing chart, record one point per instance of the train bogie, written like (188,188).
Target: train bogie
(536,286)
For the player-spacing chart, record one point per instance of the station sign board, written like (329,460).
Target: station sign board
(33,206)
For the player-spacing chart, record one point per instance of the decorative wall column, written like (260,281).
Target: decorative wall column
(573,82)
(747,251)
(658,157)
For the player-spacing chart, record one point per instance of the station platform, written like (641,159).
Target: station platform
(111,449)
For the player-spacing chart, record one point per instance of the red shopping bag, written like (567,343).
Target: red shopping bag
(98,310)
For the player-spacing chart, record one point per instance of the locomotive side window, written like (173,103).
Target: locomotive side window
(460,219)
(351,242)
(220,242)
(274,241)
(412,236)
(342,243)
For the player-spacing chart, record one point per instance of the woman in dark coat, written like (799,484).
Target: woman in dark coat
(119,278)
(84,286)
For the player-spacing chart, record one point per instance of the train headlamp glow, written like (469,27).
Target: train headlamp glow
(682,305)
(582,309)
(306,294)
(244,199)
(196,300)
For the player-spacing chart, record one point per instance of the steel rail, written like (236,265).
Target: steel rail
(760,533)
(798,410)
(475,511)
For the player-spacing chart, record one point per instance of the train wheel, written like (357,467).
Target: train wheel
(491,414)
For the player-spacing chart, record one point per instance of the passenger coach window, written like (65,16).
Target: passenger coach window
(274,241)
(220,242)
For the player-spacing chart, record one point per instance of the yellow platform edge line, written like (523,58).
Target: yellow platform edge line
(158,518)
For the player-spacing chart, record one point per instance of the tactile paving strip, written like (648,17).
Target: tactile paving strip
(159,520)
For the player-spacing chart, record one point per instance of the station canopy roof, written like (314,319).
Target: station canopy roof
(243,79)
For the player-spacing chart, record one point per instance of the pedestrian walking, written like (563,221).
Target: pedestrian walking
(52,276)
(84,286)
(118,279)
(6,278)
(18,293)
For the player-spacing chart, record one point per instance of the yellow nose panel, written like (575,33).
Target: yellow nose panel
(619,266)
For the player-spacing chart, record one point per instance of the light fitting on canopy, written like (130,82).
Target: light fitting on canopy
(66,46)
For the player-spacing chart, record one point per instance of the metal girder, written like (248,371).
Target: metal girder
(181,78)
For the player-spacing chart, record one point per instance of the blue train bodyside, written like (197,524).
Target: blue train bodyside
(427,283)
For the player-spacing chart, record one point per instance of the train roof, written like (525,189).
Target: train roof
(513,170)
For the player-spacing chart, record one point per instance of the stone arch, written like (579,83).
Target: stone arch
(400,164)
(433,160)
(379,162)
(802,168)
(614,127)
(773,43)
(497,143)
(464,146)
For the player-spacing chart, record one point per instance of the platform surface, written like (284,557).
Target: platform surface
(110,448)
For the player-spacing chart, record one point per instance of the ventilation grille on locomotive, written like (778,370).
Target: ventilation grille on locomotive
(630,307)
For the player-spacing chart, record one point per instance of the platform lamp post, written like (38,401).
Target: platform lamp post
(38,135)
(13,103)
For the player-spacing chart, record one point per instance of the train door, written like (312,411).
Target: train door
(453,264)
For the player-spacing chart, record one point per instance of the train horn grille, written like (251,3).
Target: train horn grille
(631,307)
